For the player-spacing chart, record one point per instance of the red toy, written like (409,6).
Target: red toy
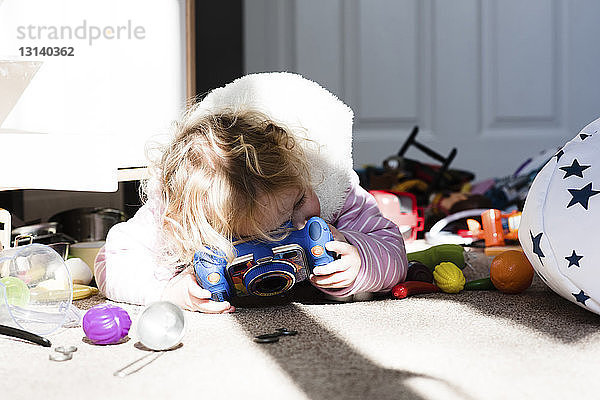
(409,288)
(401,208)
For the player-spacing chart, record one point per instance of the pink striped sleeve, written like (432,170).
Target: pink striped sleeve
(379,243)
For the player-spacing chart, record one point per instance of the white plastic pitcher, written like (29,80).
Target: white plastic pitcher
(36,290)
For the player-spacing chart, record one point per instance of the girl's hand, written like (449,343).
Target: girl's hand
(339,273)
(186,293)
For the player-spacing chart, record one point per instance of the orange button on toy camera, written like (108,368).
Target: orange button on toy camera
(214,277)
(317,251)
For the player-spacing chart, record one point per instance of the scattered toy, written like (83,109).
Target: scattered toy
(436,254)
(16,291)
(511,272)
(63,353)
(418,272)
(106,324)
(60,357)
(287,332)
(25,335)
(268,335)
(161,326)
(480,284)
(83,291)
(66,350)
(497,227)
(274,336)
(266,339)
(497,250)
(401,208)
(408,288)
(138,364)
(449,277)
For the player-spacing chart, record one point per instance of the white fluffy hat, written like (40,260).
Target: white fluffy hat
(561,218)
(307,110)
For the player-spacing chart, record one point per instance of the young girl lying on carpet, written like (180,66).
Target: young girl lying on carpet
(261,151)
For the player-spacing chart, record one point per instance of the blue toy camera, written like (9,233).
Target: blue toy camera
(264,268)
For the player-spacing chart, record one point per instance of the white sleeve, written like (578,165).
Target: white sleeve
(126,268)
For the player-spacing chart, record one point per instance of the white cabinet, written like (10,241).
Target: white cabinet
(89,110)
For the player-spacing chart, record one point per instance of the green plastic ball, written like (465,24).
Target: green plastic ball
(17,292)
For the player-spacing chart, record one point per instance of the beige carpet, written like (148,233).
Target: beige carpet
(472,345)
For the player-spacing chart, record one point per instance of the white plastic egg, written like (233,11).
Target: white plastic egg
(80,271)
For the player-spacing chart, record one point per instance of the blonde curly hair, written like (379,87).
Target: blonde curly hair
(208,178)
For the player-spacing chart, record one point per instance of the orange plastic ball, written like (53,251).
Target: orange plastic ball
(511,272)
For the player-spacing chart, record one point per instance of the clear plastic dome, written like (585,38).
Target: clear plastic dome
(36,290)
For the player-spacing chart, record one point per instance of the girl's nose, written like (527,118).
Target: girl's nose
(300,220)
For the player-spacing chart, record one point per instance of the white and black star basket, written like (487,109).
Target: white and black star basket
(561,220)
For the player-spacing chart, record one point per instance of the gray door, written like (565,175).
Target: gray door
(498,80)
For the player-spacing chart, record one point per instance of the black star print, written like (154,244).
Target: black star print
(536,245)
(584,136)
(581,297)
(574,169)
(559,154)
(573,259)
(582,196)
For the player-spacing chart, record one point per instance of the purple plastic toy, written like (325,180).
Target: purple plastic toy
(106,324)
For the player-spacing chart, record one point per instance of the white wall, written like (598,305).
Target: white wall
(499,80)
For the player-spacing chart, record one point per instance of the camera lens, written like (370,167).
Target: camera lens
(271,284)
(270,279)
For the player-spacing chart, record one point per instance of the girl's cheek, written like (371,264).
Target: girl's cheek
(312,208)
(315,205)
